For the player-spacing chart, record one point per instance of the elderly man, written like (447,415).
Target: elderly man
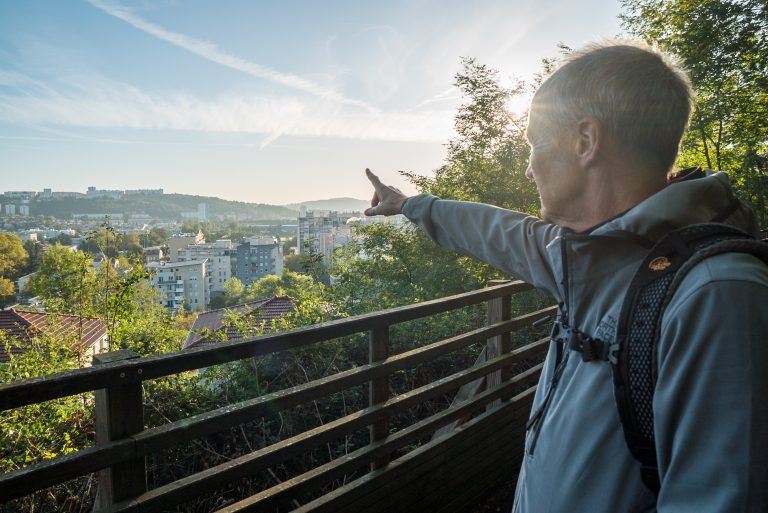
(604,131)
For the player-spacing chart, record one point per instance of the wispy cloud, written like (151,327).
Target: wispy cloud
(449,94)
(103,103)
(211,52)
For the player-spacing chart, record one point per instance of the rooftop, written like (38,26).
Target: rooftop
(215,321)
(23,326)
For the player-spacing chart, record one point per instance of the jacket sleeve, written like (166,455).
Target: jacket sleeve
(711,400)
(513,242)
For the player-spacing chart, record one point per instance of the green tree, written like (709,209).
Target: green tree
(7,291)
(13,257)
(35,255)
(65,281)
(157,236)
(724,46)
(487,160)
(233,290)
(289,284)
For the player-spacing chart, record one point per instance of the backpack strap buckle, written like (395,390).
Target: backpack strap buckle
(590,348)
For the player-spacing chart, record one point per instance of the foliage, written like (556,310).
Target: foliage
(65,281)
(487,160)
(387,266)
(13,257)
(45,430)
(724,45)
(7,291)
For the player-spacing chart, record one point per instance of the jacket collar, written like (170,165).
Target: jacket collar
(696,197)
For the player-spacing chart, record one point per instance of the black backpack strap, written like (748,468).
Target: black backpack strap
(634,362)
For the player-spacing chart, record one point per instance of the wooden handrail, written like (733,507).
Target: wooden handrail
(357,459)
(249,464)
(63,468)
(119,453)
(63,384)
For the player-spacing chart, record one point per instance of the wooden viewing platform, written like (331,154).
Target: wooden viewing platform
(476,444)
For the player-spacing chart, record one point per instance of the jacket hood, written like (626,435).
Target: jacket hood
(702,199)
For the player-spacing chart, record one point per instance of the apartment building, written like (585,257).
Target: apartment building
(218,256)
(321,232)
(181,284)
(257,257)
(178,241)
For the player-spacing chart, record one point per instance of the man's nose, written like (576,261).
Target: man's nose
(529,172)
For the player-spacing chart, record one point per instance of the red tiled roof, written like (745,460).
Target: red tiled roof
(215,321)
(24,325)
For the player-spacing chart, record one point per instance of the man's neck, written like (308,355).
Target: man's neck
(602,199)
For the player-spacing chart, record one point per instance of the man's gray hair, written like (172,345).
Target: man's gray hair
(643,98)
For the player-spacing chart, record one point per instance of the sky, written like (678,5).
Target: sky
(260,101)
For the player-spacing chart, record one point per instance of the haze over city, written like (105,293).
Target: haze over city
(272,103)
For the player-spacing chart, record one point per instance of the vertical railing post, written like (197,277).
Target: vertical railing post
(499,309)
(378,388)
(119,414)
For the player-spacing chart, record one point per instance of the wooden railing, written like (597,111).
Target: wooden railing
(443,473)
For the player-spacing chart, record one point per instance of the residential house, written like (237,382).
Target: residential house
(21,326)
(216,325)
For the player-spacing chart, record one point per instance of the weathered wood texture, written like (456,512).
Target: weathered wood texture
(119,414)
(488,440)
(378,388)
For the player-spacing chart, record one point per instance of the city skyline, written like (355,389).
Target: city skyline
(268,104)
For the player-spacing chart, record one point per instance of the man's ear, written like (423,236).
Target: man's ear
(589,140)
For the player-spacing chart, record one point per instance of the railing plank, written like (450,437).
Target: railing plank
(378,388)
(352,461)
(210,479)
(45,388)
(119,414)
(48,473)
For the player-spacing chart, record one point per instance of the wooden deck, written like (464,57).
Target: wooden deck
(476,444)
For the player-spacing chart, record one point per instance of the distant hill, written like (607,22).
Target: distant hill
(338,204)
(167,206)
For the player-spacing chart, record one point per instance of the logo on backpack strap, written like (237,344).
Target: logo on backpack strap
(659,264)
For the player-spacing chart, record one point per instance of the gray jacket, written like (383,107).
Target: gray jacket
(711,400)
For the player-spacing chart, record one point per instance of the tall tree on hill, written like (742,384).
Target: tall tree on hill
(724,45)
(486,161)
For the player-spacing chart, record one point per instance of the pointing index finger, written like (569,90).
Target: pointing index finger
(373,178)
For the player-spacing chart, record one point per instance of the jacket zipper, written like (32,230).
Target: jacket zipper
(561,360)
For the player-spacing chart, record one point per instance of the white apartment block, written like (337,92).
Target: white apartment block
(219,261)
(93,192)
(323,231)
(20,194)
(181,284)
(10,210)
(24,210)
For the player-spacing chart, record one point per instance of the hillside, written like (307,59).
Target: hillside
(338,204)
(167,206)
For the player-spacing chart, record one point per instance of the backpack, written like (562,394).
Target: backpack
(633,353)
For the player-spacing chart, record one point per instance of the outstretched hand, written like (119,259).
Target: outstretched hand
(387,200)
